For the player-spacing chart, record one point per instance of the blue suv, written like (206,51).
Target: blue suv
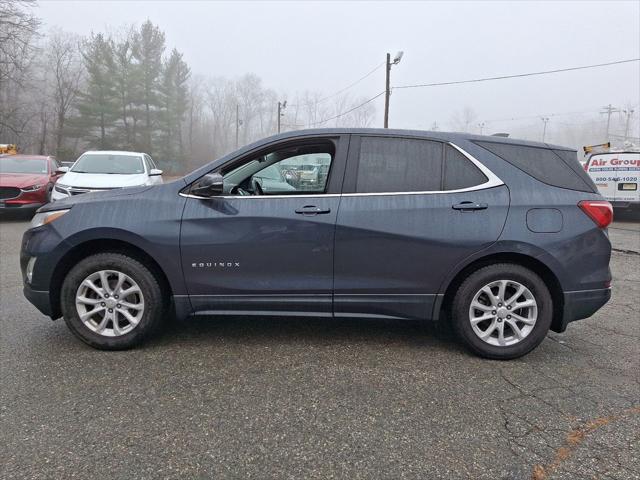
(503,238)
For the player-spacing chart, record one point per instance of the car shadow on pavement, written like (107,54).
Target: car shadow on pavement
(306,331)
(15,216)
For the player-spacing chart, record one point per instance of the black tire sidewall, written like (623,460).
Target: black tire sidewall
(139,273)
(480,278)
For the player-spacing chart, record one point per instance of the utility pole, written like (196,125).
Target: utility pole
(481,125)
(609,110)
(544,129)
(281,107)
(629,114)
(387,92)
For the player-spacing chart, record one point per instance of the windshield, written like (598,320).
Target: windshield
(108,163)
(22,165)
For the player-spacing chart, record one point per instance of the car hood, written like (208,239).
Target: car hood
(102,180)
(22,180)
(93,197)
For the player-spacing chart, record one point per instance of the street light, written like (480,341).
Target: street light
(396,60)
(544,129)
(281,107)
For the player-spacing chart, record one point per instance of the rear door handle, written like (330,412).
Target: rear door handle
(470,206)
(312,210)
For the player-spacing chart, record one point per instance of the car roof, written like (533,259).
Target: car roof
(392,132)
(116,152)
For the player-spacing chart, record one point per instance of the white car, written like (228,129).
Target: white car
(106,170)
(617,176)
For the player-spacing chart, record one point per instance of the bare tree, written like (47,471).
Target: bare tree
(64,63)
(18,33)
(464,119)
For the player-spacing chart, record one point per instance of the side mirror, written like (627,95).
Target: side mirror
(210,185)
(155,171)
(62,169)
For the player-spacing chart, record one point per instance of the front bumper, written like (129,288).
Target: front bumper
(582,304)
(7,206)
(40,299)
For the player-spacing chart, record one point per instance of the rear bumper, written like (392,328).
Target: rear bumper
(582,304)
(625,204)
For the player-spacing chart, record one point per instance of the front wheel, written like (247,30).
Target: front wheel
(111,301)
(502,311)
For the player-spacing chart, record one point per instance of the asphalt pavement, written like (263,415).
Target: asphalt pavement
(316,398)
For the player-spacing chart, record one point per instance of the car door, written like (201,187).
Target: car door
(268,252)
(411,209)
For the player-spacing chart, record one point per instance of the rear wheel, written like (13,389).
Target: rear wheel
(111,301)
(502,311)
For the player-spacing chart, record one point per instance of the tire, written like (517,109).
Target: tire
(137,277)
(511,345)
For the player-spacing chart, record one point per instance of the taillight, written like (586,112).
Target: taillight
(600,211)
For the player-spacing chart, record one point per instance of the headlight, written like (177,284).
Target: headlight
(43,218)
(32,188)
(61,188)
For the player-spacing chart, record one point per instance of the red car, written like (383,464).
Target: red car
(26,181)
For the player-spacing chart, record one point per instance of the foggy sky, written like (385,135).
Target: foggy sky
(325,46)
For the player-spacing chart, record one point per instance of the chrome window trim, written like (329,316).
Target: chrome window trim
(492,181)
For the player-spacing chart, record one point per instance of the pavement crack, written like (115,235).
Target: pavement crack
(574,439)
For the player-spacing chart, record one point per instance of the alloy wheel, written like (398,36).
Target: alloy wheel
(503,313)
(109,303)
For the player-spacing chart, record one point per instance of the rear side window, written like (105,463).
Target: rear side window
(541,163)
(459,172)
(398,165)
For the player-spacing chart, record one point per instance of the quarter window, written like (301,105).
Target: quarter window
(398,165)
(543,164)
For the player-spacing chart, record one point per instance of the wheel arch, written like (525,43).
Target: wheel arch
(102,245)
(527,261)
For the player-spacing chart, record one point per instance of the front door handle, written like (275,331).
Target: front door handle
(312,210)
(470,206)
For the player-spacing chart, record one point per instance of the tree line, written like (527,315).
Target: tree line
(62,94)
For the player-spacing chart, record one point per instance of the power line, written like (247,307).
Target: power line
(519,75)
(559,114)
(335,94)
(347,112)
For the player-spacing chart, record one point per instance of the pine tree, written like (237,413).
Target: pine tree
(174,105)
(126,80)
(98,104)
(148,47)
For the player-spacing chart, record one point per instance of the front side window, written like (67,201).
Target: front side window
(296,170)
(399,165)
(149,161)
(108,163)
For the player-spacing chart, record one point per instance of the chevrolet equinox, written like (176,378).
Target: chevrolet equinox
(503,238)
